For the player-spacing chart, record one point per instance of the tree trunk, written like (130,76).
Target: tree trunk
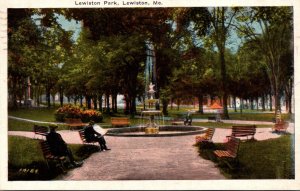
(14,97)
(200,100)
(133,106)
(107,104)
(114,103)
(290,104)
(288,96)
(270,104)
(48,97)
(178,104)
(234,103)
(81,99)
(61,97)
(165,106)
(75,100)
(224,82)
(53,100)
(100,102)
(95,102)
(251,104)
(88,101)
(241,105)
(263,102)
(127,104)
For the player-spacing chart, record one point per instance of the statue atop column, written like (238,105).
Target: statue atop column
(151,90)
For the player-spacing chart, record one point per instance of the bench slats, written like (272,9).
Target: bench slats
(207,137)
(231,149)
(74,122)
(48,155)
(243,131)
(119,121)
(83,139)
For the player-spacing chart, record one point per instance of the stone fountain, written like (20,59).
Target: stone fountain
(153,116)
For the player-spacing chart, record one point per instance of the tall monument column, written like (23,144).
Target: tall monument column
(28,93)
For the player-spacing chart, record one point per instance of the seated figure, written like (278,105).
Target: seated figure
(59,147)
(188,120)
(92,135)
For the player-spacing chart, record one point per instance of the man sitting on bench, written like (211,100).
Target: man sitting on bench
(91,135)
(59,147)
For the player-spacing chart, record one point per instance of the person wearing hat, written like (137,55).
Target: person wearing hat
(59,147)
(91,135)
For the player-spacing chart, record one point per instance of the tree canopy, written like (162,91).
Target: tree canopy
(191,56)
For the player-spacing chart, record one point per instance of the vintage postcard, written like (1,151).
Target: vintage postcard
(149,95)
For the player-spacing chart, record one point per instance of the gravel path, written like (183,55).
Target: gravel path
(150,158)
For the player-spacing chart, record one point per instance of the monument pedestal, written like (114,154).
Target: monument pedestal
(151,130)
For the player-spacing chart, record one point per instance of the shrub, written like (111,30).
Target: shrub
(71,111)
(90,114)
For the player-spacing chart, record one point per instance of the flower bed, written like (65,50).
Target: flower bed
(71,111)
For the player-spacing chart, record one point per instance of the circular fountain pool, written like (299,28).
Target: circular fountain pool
(164,131)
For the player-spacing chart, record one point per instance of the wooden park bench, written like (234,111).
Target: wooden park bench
(280,126)
(49,156)
(83,139)
(74,122)
(207,137)
(119,121)
(243,131)
(230,153)
(40,130)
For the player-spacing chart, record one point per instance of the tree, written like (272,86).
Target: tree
(271,29)
(221,19)
(23,38)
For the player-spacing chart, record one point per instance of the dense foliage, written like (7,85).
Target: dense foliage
(216,52)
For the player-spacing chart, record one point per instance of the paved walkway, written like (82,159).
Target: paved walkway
(149,158)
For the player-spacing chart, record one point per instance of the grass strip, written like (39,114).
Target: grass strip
(268,159)
(26,162)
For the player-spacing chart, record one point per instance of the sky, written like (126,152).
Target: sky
(65,24)
(70,26)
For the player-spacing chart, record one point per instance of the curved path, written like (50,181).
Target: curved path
(148,158)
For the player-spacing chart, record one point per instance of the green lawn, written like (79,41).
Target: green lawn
(17,125)
(39,114)
(26,162)
(269,159)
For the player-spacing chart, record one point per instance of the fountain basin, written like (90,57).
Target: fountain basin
(164,131)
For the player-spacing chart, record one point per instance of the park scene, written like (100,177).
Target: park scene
(193,93)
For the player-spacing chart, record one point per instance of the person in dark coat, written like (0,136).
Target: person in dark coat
(59,147)
(91,135)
